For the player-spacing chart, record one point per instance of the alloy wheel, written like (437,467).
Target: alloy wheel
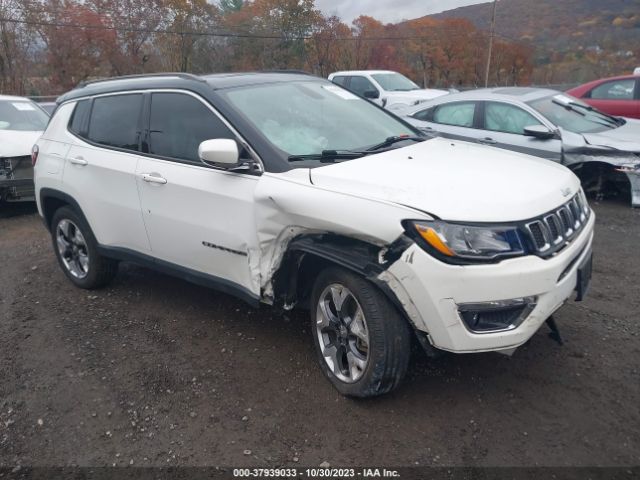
(342,333)
(72,247)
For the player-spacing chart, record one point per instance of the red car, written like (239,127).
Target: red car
(618,96)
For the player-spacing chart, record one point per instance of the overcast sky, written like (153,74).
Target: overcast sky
(388,11)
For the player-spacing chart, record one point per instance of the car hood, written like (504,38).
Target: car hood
(15,143)
(455,181)
(625,138)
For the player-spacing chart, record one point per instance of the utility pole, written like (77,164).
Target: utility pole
(491,36)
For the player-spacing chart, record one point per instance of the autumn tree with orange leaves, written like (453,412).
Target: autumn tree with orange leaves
(66,41)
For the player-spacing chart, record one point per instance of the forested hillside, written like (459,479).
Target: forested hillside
(574,39)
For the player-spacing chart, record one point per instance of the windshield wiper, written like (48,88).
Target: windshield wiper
(328,156)
(393,140)
(580,110)
(589,108)
(569,106)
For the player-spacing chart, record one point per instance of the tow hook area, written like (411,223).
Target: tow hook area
(554,334)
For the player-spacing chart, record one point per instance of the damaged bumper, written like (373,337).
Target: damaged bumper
(16,179)
(633,173)
(629,164)
(441,300)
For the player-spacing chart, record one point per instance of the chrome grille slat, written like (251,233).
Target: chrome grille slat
(553,231)
(553,224)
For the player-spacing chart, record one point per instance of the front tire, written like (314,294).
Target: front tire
(362,343)
(76,249)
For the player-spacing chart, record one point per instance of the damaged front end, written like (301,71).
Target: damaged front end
(307,254)
(16,179)
(606,173)
(632,171)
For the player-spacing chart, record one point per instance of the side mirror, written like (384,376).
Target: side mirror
(371,94)
(220,153)
(539,131)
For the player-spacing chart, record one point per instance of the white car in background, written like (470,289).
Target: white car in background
(386,88)
(21,124)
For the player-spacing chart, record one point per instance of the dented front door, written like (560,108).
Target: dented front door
(200,219)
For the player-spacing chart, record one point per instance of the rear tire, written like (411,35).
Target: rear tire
(76,249)
(362,343)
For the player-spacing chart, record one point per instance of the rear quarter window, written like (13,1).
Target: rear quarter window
(425,115)
(79,118)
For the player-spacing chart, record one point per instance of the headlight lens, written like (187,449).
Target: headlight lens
(453,242)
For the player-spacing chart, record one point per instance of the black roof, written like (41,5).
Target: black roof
(187,81)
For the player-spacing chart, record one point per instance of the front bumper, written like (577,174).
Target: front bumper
(431,292)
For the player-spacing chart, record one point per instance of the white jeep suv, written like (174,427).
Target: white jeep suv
(286,189)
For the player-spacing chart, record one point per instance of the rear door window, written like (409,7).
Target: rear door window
(114,121)
(459,114)
(179,123)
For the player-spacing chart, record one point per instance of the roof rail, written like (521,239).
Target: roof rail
(300,72)
(186,76)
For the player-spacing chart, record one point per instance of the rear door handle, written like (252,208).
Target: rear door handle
(487,141)
(79,161)
(154,178)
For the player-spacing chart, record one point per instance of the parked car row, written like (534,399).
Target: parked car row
(603,149)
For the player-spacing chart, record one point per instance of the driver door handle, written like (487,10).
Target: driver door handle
(487,141)
(154,178)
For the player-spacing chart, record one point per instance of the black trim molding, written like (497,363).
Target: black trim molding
(187,274)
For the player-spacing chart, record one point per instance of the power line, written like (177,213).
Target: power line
(236,34)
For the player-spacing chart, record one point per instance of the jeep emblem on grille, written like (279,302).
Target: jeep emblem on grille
(565,192)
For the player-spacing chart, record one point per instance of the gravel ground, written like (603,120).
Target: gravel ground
(155,371)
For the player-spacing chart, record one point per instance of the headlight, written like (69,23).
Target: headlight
(457,243)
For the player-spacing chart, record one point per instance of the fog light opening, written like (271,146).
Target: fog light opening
(491,317)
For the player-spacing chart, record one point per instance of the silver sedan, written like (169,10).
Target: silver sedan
(604,151)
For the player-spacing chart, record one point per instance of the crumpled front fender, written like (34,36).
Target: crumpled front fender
(627,163)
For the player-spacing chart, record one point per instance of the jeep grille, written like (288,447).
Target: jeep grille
(555,230)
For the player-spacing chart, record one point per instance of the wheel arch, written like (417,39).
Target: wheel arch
(308,254)
(600,172)
(52,200)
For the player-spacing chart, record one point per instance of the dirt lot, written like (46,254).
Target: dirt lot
(156,371)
